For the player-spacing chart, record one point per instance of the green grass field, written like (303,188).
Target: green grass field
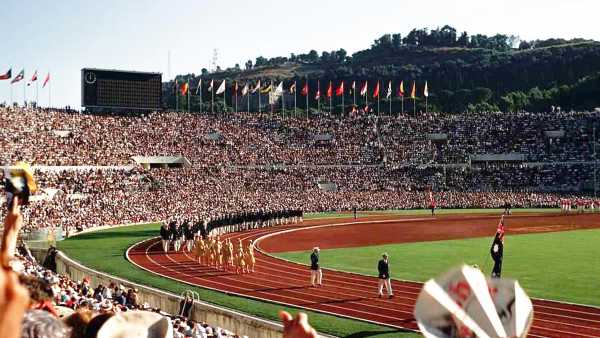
(104,251)
(560,266)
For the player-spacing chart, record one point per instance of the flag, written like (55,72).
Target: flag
(363,89)
(256,88)
(184,88)
(274,95)
(293,88)
(376,91)
(235,88)
(426,91)
(221,88)
(176,88)
(245,90)
(330,89)
(267,89)
(210,87)
(19,77)
(401,89)
(46,80)
(353,87)
(318,94)
(500,229)
(34,77)
(413,92)
(389,90)
(6,75)
(340,90)
(305,89)
(199,88)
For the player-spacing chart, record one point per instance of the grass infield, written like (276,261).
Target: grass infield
(104,251)
(559,266)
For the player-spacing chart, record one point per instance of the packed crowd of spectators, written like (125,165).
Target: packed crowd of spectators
(88,198)
(37,302)
(54,137)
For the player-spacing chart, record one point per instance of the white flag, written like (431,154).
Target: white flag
(199,88)
(210,87)
(389,91)
(221,88)
(257,88)
(276,94)
(245,90)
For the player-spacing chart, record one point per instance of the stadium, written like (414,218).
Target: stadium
(238,203)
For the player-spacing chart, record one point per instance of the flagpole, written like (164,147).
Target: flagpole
(259,89)
(425,104)
(319,97)
(402,100)
(176,96)
(390,103)
(354,92)
(295,90)
(24,94)
(188,94)
(49,94)
(307,93)
(224,98)
(37,88)
(343,94)
(212,97)
(236,98)
(283,100)
(248,99)
(378,99)
(11,94)
(200,86)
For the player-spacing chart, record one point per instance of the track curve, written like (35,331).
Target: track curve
(343,294)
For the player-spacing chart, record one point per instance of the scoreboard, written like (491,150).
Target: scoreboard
(116,89)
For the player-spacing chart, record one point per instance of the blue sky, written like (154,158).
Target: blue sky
(64,36)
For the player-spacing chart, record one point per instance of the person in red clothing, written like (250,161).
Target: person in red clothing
(431,203)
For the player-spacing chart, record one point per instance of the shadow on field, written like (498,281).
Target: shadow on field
(116,234)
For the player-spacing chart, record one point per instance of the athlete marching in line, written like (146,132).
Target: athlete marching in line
(241,259)
(250,259)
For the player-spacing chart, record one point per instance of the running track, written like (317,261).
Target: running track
(344,294)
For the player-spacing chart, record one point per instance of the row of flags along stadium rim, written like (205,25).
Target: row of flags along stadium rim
(21,76)
(184,89)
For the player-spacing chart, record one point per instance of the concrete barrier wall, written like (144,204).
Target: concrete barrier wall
(239,323)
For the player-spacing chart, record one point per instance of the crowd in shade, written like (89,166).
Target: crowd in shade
(63,307)
(80,199)
(57,137)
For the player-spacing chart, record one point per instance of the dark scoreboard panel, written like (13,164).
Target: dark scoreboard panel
(102,88)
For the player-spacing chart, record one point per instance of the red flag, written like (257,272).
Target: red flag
(318,94)
(330,90)
(376,92)
(46,80)
(305,89)
(340,90)
(34,77)
(501,229)
(6,75)
(184,88)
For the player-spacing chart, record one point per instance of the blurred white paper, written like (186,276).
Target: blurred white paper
(464,303)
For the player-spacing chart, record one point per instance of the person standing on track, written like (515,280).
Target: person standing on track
(383,267)
(497,249)
(316,275)
(164,237)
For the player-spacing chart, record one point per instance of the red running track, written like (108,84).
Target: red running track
(343,294)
